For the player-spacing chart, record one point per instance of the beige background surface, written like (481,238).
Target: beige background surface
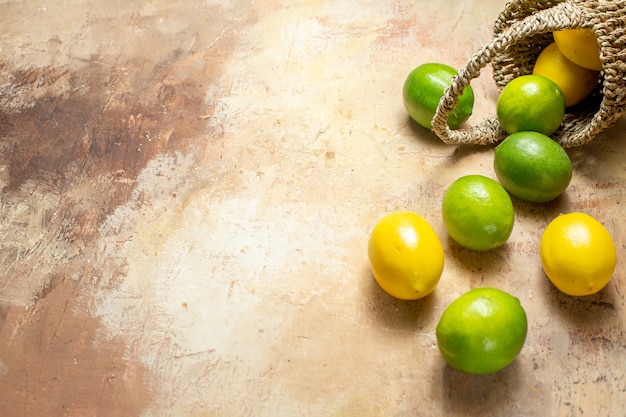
(187,193)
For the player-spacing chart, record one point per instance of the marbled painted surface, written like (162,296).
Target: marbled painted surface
(187,189)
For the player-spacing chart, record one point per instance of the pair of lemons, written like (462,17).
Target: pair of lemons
(485,329)
(564,74)
(573,62)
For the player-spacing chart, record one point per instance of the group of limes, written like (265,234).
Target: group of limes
(485,329)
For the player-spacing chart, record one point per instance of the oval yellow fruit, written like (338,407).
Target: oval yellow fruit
(576,82)
(578,254)
(406,256)
(579,46)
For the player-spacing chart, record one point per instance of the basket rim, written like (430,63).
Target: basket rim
(562,14)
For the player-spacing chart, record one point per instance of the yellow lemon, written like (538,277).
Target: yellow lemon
(577,254)
(579,46)
(576,82)
(405,255)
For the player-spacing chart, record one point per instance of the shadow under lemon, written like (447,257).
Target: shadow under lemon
(394,313)
(599,308)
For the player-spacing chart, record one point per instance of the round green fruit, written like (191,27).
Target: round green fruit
(532,167)
(478,212)
(482,331)
(531,103)
(424,87)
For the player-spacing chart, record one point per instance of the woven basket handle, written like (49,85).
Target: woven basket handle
(566,15)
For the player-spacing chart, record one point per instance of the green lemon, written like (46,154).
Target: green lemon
(424,87)
(531,103)
(478,212)
(482,331)
(532,167)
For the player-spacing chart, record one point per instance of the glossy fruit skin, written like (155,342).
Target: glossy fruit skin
(482,331)
(532,167)
(478,212)
(577,254)
(575,82)
(579,46)
(530,103)
(424,87)
(406,255)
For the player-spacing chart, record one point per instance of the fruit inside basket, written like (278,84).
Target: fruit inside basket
(522,31)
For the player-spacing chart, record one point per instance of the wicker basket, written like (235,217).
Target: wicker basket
(521,32)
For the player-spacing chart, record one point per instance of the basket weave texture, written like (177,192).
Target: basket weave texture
(522,30)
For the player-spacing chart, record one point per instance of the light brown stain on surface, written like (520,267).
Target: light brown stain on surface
(54,367)
(74,136)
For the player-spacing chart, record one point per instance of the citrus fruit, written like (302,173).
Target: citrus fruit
(424,87)
(575,82)
(579,46)
(532,167)
(530,103)
(478,212)
(482,331)
(577,254)
(406,256)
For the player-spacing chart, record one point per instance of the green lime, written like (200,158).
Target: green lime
(482,331)
(531,103)
(478,212)
(424,87)
(532,167)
